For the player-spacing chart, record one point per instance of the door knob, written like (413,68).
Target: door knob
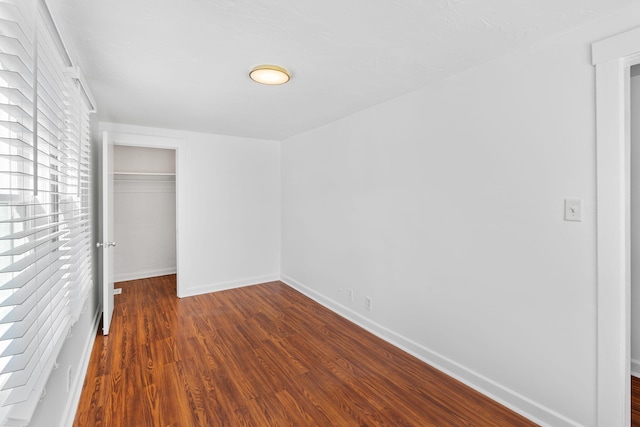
(105,244)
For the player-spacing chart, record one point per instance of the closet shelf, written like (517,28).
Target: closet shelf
(146,173)
(144,176)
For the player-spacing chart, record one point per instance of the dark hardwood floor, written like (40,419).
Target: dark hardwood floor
(263,355)
(635,402)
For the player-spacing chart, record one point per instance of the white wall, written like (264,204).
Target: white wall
(635,221)
(144,213)
(228,207)
(143,159)
(446,207)
(58,406)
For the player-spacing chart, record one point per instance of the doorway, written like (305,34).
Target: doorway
(113,135)
(144,212)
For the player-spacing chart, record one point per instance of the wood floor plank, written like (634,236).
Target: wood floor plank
(635,401)
(263,355)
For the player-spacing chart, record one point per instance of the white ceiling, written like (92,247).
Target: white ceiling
(183,64)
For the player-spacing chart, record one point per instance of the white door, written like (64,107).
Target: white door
(106,242)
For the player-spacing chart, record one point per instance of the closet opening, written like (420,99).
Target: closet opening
(144,212)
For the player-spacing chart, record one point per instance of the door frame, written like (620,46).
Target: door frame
(124,137)
(613,58)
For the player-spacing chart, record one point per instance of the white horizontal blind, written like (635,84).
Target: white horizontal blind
(19,214)
(79,194)
(45,220)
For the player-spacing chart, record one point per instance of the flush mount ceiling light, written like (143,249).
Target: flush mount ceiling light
(269,75)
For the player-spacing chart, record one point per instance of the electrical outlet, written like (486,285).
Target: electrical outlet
(368,303)
(350,294)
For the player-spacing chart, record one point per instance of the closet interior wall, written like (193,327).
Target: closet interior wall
(144,212)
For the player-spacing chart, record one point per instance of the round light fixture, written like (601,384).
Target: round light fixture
(269,75)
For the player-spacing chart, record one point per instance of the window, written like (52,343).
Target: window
(45,203)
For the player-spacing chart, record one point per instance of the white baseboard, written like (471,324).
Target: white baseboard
(143,274)
(76,388)
(509,398)
(223,286)
(635,368)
